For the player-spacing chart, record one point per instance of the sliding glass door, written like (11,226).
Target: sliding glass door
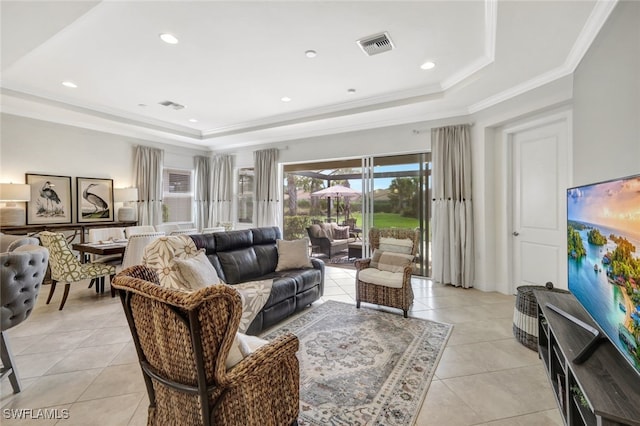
(395,191)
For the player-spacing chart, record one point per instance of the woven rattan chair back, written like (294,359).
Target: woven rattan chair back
(400,233)
(182,340)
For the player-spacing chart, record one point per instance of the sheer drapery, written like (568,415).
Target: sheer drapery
(266,188)
(203,190)
(453,251)
(222,190)
(147,172)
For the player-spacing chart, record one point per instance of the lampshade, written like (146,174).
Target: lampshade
(122,195)
(15,192)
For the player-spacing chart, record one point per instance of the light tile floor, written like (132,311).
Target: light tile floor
(80,363)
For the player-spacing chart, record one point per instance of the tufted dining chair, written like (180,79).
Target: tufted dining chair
(65,267)
(21,275)
(385,277)
(106,234)
(184,342)
(139,229)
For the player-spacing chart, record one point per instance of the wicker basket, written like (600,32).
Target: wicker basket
(525,314)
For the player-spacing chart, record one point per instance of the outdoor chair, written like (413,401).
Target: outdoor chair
(65,267)
(385,278)
(21,275)
(183,340)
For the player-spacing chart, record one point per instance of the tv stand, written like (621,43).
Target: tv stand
(592,387)
(593,343)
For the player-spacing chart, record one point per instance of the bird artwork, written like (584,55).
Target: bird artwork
(51,200)
(99,204)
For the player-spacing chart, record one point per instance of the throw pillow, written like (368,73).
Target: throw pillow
(390,261)
(254,295)
(242,346)
(235,354)
(328,230)
(396,245)
(197,271)
(341,233)
(293,254)
(159,256)
(316,231)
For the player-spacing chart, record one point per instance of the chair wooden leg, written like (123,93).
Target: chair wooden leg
(358,304)
(64,296)
(93,280)
(53,288)
(113,290)
(8,364)
(405,313)
(101,284)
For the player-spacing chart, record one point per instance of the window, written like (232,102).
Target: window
(245,195)
(177,204)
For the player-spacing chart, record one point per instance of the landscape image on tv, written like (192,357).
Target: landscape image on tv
(603,242)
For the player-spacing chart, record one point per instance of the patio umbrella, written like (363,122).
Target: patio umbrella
(336,192)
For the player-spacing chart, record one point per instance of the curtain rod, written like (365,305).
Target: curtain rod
(418,131)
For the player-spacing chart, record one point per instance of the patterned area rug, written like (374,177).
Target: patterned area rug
(363,366)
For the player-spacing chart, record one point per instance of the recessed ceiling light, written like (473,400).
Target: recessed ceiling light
(285,99)
(427,65)
(310,53)
(169,38)
(351,91)
(193,120)
(70,84)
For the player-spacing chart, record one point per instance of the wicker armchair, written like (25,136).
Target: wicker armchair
(382,294)
(183,339)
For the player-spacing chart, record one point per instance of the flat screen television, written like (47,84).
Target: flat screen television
(603,244)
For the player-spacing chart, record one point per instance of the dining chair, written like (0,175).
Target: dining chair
(105,234)
(65,266)
(135,248)
(167,228)
(184,231)
(21,275)
(213,230)
(140,229)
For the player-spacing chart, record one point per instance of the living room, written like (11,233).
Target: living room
(595,94)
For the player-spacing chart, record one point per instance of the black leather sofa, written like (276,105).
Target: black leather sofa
(250,255)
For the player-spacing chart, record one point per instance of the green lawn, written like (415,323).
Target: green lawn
(388,220)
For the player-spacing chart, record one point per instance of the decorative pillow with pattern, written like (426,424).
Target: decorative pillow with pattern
(254,295)
(159,256)
(390,261)
(396,245)
(293,254)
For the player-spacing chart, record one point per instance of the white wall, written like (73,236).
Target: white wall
(35,146)
(607,100)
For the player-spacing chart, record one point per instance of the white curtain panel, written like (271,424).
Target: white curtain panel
(452,249)
(203,190)
(147,171)
(267,208)
(222,190)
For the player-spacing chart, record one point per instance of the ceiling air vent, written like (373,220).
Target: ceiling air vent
(376,43)
(171,104)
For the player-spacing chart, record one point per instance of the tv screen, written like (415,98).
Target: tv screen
(603,244)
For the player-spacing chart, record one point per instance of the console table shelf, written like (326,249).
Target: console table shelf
(608,384)
(78,228)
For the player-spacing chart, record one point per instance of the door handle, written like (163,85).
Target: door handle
(515,233)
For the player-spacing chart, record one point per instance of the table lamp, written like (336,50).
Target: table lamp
(12,193)
(126,213)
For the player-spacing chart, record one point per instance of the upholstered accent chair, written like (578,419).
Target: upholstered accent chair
(385,278)
(65,267)
(183,340)
(21,275)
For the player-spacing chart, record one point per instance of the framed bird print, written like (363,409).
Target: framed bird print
(50,199)
(95,200)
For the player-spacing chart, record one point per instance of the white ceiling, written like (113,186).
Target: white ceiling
(236,60)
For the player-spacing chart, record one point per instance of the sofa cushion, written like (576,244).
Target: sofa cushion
(316,231)
(390,261)
(293,254)
(328,230)
(378,277)
(396,245)
(197,271)
(239,265)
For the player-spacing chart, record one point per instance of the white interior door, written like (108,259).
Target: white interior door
(540,178)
